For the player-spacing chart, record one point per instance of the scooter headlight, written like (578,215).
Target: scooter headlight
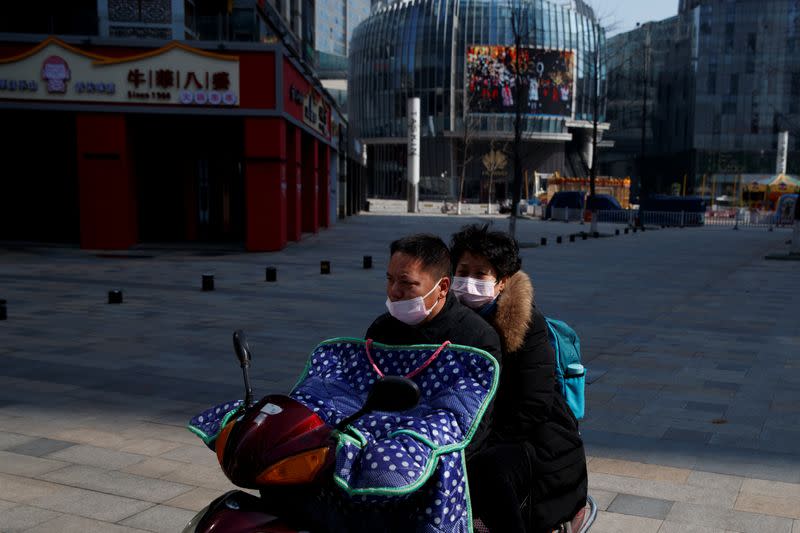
(300,468)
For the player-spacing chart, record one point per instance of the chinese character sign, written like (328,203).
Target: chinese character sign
(173,75)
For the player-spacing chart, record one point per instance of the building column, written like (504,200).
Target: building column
(265,183)
(294,227)
(324,197)
(310,185)
(107,188)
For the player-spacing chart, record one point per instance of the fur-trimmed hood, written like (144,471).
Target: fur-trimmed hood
(514,310)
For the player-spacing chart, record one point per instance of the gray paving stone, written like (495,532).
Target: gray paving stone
(602,498)
(161,518)
(138,371)
(23,517)
(40,447)
(6,505)
(90,504)
(24,465)
(675,527)
(706,406)
(95,456)
(77,524)
(687,435)
(9,440)
(118,483)
(640,506)
(705,515)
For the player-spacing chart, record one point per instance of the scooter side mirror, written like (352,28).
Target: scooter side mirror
(392,393)
(241,348)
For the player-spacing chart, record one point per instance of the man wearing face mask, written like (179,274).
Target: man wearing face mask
(423,310)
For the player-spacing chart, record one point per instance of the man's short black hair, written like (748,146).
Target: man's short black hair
(429,249)
(499,248)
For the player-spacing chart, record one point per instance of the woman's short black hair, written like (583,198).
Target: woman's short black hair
(499,248)
(429,249)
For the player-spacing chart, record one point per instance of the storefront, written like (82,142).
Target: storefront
(111,146)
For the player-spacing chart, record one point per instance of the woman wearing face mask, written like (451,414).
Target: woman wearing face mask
(533,450)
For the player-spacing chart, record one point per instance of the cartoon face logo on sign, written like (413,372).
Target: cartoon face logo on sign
(55,72)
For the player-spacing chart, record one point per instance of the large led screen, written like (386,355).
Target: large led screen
(547,76)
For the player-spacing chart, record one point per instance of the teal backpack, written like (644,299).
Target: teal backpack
(570,373)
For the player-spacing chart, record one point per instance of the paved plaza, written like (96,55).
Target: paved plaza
(691,338)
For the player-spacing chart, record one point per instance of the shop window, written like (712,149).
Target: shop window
(729,33)
(734,85)
(751,43)
(711,83)
(729,107)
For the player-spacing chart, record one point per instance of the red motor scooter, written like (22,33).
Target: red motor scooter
(279,444)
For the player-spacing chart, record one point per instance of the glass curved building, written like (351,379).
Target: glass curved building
(459,58)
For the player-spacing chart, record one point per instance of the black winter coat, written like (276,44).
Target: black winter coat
(455,323)
(529,408)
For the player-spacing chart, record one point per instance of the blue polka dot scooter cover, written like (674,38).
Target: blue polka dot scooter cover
(417,455)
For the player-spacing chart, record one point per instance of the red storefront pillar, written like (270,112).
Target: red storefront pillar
(294,184)
(265,183)
(310,185)
(108,216)
(324,185)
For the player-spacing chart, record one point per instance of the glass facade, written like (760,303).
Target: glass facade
(335,23)
(727,81)
(419,48)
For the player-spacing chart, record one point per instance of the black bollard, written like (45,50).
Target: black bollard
(543,241)
(115,297)
(572,238)
(558,239)
(634,229)
(596,235)
(584,236)
(271,274)
(616,232)
(642,229)
(367,261)
(626,231)
(3,314)
(208,282)
(324,267)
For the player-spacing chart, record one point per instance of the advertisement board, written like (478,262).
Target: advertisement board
(548,80)
(174,75)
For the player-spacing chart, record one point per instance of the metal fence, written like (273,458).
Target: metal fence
(565,214)
(743,218)
(631,217)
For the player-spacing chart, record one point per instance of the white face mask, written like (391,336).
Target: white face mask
(473,292)
(412,311)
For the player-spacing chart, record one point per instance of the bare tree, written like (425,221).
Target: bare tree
(598,61)
(520,30)
(795,249)
(469,133)
(495,163)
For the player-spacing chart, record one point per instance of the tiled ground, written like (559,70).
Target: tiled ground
(691,338)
